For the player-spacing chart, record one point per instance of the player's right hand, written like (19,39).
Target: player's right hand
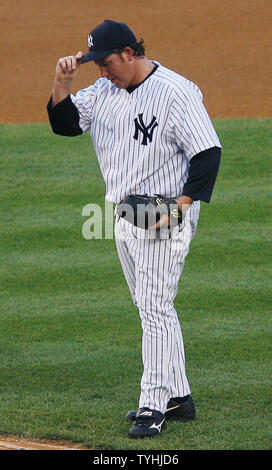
(68,67)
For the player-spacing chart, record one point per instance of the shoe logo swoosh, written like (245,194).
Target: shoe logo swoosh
(157,426)
(146,413)
(172,408)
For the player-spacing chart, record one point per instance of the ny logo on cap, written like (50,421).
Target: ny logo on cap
(90,41)
(147,131)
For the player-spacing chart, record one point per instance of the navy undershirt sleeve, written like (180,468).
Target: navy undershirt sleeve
(64,118)
(203,171)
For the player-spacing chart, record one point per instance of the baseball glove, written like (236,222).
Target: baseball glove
(145,211)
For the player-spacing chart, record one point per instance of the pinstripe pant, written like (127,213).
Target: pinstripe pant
(152,268)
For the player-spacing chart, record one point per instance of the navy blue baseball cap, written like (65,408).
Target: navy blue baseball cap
(106,38)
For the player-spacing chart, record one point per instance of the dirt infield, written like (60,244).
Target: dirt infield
(225,47)
(20,443)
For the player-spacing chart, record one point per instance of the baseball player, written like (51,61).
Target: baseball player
(159,155)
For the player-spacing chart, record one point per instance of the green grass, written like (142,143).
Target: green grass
(70,337)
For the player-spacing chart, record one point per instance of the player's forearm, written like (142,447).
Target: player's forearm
(61,89)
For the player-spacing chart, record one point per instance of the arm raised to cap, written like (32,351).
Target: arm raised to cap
(66,70)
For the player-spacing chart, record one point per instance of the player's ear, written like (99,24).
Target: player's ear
(128,54)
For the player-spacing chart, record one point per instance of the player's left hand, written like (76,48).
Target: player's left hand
(183,203)
(163,222)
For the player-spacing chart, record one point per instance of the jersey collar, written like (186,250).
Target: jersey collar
(130,89)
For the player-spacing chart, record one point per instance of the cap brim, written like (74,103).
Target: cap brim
(95,55)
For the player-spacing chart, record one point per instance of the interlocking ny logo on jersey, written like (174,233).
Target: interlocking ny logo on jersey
(147,131)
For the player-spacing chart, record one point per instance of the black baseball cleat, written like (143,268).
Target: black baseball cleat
(178,409)
(181,409)
(147,423)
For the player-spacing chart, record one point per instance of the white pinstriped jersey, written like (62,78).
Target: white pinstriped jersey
(145,139)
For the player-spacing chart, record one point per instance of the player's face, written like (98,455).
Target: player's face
(116,68)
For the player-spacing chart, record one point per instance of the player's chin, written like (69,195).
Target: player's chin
(118,83)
